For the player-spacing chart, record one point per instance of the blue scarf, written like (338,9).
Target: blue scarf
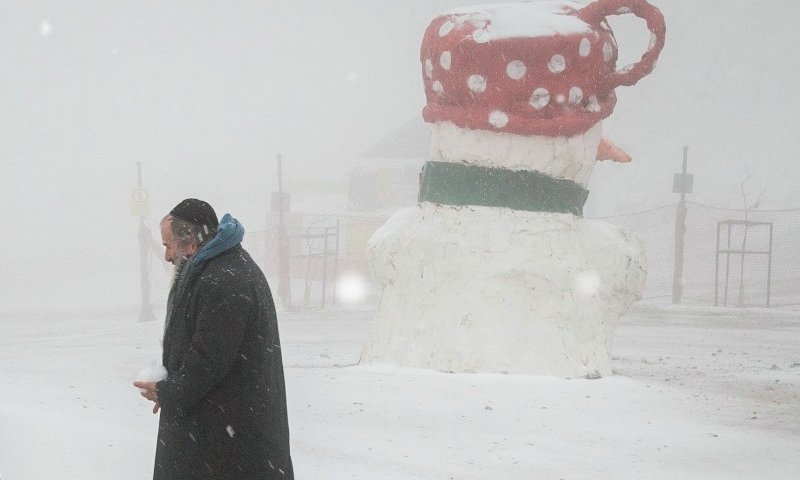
(229,234)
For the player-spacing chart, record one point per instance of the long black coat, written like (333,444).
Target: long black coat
(223,404)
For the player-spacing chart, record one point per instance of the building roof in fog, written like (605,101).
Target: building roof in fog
(411,141)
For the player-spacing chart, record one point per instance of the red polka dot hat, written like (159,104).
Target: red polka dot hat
(533,68)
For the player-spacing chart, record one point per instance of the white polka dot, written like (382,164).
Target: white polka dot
(540,98)
(444,60)
(476,83)
(428,68)
(626,69)
(498,119)
(585,48)
(557,64)
(623,10)
(653,40)
(446,28)
(575,95)
(481,36)
(437,87)
(608,52)
(516,69)
(560,99)
(593,105)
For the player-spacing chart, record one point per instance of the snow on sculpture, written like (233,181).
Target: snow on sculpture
(496,270)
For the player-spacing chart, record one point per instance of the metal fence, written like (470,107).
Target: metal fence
(712,263)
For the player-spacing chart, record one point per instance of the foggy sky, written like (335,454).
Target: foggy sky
(205,94)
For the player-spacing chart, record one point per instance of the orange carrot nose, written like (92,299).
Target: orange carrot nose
(609,151)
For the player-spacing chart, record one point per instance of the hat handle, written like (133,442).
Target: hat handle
(597,11)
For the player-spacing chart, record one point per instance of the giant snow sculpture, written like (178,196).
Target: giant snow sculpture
(496,270)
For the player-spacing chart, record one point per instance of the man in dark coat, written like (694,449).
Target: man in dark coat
(223,403)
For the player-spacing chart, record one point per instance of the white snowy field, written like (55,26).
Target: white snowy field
(698,394)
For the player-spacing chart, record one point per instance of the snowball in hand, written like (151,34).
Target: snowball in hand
(153,373)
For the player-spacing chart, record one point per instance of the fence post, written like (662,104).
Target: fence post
(682,183)
(146,313)
(680,232)
(336,261)
(769,265)
(284,277)
(325,265)
(140,207)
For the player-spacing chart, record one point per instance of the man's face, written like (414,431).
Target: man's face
(174,251)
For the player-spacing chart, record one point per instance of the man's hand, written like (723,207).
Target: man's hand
(148,391)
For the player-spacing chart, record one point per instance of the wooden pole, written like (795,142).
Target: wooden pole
(284,287)
(680,233)
(146,312)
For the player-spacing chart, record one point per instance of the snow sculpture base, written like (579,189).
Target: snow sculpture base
(483,289)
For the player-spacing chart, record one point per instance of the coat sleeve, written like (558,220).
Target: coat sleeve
(213,349)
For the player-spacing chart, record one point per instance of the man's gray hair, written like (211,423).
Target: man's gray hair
(188,233)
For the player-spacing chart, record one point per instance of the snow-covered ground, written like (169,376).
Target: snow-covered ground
(698,394)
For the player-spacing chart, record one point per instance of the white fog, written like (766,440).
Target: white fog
(204,96)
